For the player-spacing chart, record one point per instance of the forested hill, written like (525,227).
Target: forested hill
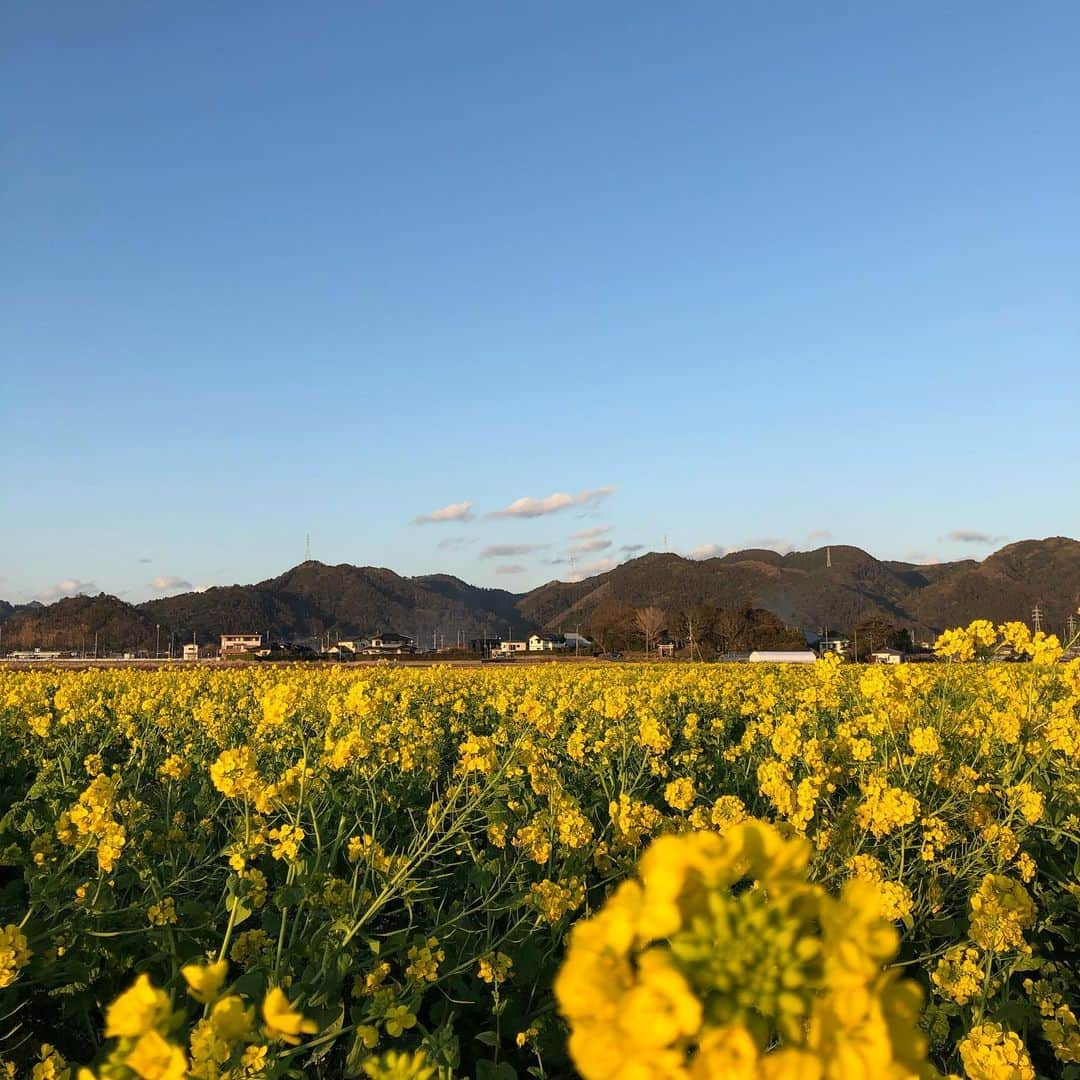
(832,587)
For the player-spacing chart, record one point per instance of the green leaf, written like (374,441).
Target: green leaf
(488,1038)
(241,912)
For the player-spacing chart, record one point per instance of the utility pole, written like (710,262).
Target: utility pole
(157,641)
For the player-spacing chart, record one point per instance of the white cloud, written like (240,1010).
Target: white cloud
(600,566)
(588,534)
(169,583)
(502,551)
(452,543)
(590,545)
(819,534)
(202,588)
(707,551)
(67,587)
(460,511)
(528,507)
(971,536)
(510,568)
(770,543)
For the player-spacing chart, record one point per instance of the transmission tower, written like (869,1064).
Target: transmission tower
(828,558)
(307,548)
(1036,618)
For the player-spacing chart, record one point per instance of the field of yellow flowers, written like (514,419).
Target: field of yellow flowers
(610,871)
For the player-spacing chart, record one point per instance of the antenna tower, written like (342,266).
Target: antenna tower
(307,548)
(828,557)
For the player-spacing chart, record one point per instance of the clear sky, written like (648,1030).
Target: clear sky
(725,273)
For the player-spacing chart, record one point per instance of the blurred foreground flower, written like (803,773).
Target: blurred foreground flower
(724,961)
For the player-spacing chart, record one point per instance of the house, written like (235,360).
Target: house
(238,644)
(546,643)
(887,656)
(508,648)
(767,656)
(485,646)
(836,645)
(191,652)
(344,648)
(389,644)
(578,642)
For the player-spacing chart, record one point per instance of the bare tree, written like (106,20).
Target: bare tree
(650,621)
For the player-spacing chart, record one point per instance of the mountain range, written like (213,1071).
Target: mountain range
(831,587)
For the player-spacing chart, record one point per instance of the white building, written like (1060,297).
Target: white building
(839,646)
(578,642)
(508,648)
(191,652)
(766,656)
(887,656)
(546,643)
(233,644)
(389,644)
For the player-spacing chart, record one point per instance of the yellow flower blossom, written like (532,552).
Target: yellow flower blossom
(282,1021)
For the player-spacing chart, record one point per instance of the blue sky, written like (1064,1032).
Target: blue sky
(728,274)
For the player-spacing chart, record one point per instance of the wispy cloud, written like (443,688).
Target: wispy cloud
(503,551)
(770,543)
(820,534)
(169,583)
(600,566)
(452,543)
(528,507)
(202,588)
(588,534)
(706,551)
(920,558)
(629,549)
(146,560)
(459,511)
(509,568)
(972,536)
(599,544)
(67,587)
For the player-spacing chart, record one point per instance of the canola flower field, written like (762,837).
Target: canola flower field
(608,871)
